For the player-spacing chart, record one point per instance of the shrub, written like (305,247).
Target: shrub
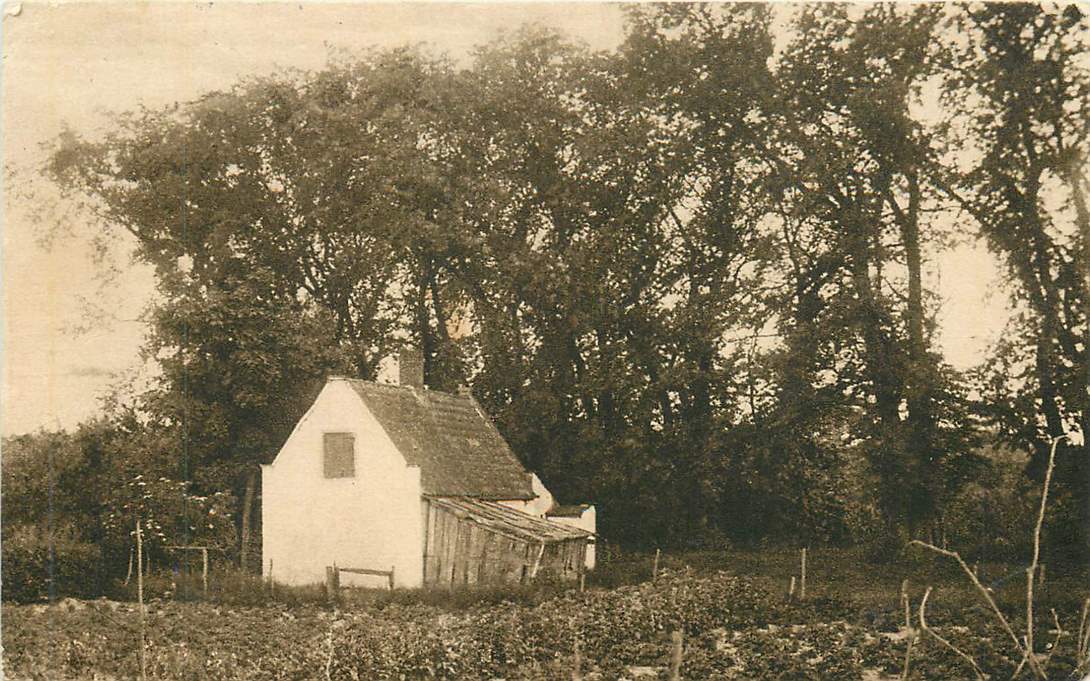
(35,568)
(993,517)
(228,586)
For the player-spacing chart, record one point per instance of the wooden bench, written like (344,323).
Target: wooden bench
(333,576)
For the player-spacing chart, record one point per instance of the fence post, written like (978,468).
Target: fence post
(204,571)
(802,578)
(330,583)
(791,589)
(676,654)
(392,568)
(655,567)
(140,599)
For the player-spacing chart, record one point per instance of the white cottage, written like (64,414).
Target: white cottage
(414,482)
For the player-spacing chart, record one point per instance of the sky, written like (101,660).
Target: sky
(68,338)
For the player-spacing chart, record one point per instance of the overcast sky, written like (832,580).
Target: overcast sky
(72,65)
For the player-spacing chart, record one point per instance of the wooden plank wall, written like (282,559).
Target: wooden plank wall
(459,551)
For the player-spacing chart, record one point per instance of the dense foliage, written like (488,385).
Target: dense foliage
(41,564)
(688,277)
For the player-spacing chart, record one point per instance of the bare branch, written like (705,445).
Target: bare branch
(1082,656)
(1021,664)
(980,587)
(1055,642)
(1044,501)
(1031,571)
(1025,644)
(940,639)
(1030,656)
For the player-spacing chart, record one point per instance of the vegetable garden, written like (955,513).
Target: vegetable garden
(733,628)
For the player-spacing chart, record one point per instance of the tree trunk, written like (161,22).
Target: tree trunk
(920,379)
(1082,218)
(247,509)
(1045,299)
(1046,360)
(423,322)
(886,385)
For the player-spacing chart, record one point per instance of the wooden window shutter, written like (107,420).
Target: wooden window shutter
(339,455)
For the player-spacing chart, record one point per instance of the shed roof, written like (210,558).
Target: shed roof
(507,521)
(458,450)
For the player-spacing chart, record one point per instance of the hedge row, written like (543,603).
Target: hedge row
(35,567)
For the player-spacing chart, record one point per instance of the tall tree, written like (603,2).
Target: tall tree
(1018,92)
(851,179)
(583,236)
(284,220)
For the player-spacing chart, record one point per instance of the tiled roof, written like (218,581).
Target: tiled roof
(507,521)
(458,450)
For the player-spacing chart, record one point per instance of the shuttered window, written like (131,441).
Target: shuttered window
(339,455)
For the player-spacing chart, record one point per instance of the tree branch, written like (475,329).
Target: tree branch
(980,587)
(940,639)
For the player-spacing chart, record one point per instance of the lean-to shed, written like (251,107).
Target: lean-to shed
(472,541)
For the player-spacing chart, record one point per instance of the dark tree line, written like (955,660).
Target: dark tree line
(687,277)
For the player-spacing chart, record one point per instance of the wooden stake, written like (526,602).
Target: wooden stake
(676,654)
(791,589)
(582,581)
(1030,656)
(655,567)
(802,578)
(911,633)
(140,599)
(204,571)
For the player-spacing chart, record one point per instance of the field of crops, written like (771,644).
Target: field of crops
(733,628)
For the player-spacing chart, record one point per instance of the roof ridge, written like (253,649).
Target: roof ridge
(427,392)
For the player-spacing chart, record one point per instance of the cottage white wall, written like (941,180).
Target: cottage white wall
(587,521)
(539,505)
(372,520)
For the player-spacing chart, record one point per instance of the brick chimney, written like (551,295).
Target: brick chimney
(410,368)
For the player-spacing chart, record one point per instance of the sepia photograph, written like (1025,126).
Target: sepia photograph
(565,341)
